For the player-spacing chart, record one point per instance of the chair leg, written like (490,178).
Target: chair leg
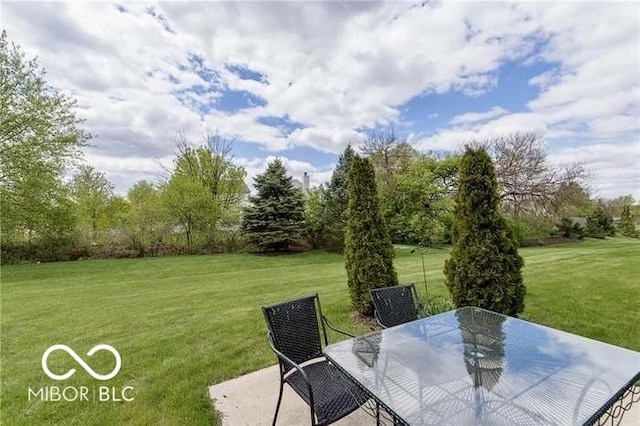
(377,413)
(278,404)
(313,417)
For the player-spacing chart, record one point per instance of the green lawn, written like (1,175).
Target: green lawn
(183,323)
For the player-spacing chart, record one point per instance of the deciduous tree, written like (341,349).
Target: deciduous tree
(211,164)
(528,184)
(91,193)
(40,136)
(147,220)
(314,215)
(423,203)
(188,205)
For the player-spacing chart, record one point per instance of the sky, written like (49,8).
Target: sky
(301,80)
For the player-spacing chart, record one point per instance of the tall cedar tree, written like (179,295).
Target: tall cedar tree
(368,248)
(275,219)
(485,268)
(336,203)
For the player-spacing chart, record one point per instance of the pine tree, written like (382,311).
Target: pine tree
(368,249)
(600,224)
(626,225)
(336,203)
(485,268)
(275,219)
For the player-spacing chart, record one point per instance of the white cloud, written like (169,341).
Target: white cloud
(592,96)
(335,68)
(474,117)
(613,166)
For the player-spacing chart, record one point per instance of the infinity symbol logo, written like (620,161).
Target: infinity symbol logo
(79,360)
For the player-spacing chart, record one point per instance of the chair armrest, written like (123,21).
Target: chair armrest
(378,320)
(283,357)
(324,319)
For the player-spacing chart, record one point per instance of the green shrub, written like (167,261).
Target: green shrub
(519,230)
(484,269)
(600,224)
(368,249)
(536,226)
(569,229)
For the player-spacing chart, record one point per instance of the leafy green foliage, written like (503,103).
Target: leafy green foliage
(92,194)
(210,165)
(368,250)
(188,204)
(532,227)
(420,210)
(147,219)
(571,200)
(314,215)
(484,269)
(336,200)
(518,229)
(275,219)
(39,138)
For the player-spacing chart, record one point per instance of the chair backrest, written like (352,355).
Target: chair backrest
(294,328)
(394,305)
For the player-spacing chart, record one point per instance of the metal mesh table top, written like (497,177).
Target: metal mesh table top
(472,366)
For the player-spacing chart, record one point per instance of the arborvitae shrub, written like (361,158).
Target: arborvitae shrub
(368,249)
(485,268)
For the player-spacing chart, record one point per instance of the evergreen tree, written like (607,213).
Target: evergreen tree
(485,268)
(600,224)
(368,249)
(336,199)
(275,219)
(626,225)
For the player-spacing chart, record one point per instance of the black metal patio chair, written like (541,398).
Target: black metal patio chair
(396,305)
(294,335)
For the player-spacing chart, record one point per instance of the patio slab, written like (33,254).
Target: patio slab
(250,400)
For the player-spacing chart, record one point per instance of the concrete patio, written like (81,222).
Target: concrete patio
(250,400)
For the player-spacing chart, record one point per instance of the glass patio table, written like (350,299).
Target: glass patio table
(473,366)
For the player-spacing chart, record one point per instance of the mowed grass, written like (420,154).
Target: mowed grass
(181,324)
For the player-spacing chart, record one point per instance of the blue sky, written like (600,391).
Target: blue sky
(300,80)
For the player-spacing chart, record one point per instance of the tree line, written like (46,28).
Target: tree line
(202,205)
